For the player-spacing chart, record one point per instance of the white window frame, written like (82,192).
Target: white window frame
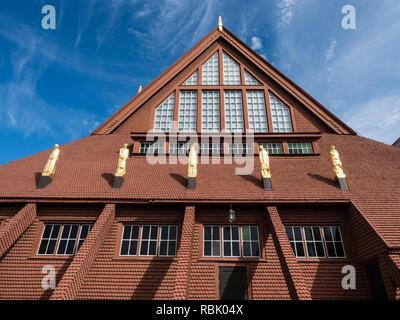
(231,241)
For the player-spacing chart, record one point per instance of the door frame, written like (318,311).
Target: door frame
(232,264)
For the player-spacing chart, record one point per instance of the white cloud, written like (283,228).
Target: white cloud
(378,119)
(256,43)
(330,53)
(286,11)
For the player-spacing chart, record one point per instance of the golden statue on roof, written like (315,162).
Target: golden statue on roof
(192,165)
(220,23)
(336,164)
(123,156)
(50,167)
(264,162)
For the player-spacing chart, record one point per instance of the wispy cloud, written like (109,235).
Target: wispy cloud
(256,43)
(286,11)
(377,119)
(330,53)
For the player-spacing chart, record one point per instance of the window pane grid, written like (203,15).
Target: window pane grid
(210,148)
(179,148)
(212,241)
(231,70)
(272,148)
(314,244)
(168,237)
(280,114)
(251,246)
(210,117)
(334,244)
(152,148)
(211,71)
(250,80)
(187,111)
(296,241)
(231,242)
(300,148)
(49,239)
(256,111)
(149,240)
(237,241)
(241,148)
(84,232)
(192,81)
(130,240)
(233,111)
(165,115)
(68,238)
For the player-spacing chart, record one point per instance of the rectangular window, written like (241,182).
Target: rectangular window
(241,148)
(63,239)
(256,111)
(49,239)
(212,241)
(149,240)
(130,241)
(152,148)
(152,240)
(300,148)
(237,241)
(251,246)
(168,241)
(187,111)
(231,241)
(179,148)
(313,245)
(296,240)
(233,111)
(272,148)
(211,148)
(210,121)
(334,244)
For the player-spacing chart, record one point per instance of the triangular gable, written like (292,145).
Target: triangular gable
(289,86)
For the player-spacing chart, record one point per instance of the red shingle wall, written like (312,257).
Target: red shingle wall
(324,276)
(71,281)
(290,266)
(21,270)
(114,277)
(12,229)
(266,277)
(369,245)
(184,254)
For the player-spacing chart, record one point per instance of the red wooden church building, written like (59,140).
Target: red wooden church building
(148,234)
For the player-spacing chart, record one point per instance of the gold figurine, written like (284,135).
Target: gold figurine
(264,162)
(192,165)
(123,156)
(336,164)
(220,24)
(50,167)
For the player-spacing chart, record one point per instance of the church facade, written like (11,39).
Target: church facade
(261,207)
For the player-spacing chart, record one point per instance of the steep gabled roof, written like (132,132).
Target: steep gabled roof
(293,89)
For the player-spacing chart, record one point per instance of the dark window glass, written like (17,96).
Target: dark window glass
(168,241)
(130,240)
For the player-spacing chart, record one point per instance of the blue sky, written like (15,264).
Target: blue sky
(58,85)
